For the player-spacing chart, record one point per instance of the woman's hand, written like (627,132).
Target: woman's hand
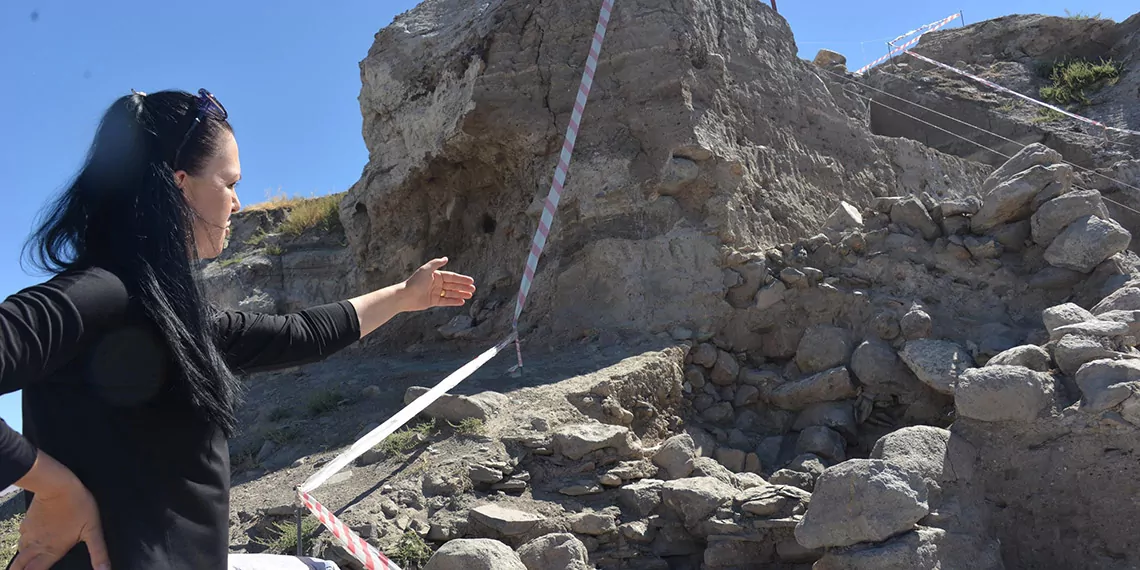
(62,514)
(429,287)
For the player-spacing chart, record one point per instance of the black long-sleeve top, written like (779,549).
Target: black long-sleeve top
(99,396)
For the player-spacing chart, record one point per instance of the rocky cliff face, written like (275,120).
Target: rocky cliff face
(1017,52)
(704,135)
(282,258)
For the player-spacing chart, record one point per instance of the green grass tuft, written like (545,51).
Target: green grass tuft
(257,237)
(1073,77)
(230,261)
(411,551)
(1046,116)
(284,536)
(324,401)
(469,426)
(400,443)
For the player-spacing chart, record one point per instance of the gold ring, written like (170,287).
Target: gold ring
(441,292)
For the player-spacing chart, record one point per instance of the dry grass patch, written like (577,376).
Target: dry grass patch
(304,214)
(9,536)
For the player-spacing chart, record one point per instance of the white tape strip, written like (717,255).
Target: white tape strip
(925,29)
(402,417)
(993,85)
(939,23)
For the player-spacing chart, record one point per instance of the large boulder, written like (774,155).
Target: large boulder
(822,441)
(830,60)
(641,498)
(1126,298)
(838,416)
(675,456)
(1130,318)
(1064,314)
(921,549)
(826,386)
(506,521)
(1106,383)
(1002,393)
(911,213)
(862,500)
(474,554)
(557,550)
(455,408)
(1056,214)
(1073,351)
(575,441)
(696,498)
(1031,155)
(773,501)
(937,363)
(821,348)
(1012,200)
(845,217)
(1086,243)
(923,449)
(1030,356)
(882,374)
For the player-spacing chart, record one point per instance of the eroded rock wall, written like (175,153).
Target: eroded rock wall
(703,134)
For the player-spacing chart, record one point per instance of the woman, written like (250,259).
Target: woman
(127,374)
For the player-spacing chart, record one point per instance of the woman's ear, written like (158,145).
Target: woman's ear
(180,179)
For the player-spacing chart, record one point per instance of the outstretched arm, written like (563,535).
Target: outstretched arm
(254,341)
(428,287)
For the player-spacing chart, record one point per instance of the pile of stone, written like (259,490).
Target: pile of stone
(796,456)
(912,503)
(823,424)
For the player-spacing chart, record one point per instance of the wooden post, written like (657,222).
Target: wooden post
(300,538)
(774,6)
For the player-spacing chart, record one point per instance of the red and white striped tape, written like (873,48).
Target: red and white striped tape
(381,432)
(555,194)
(371,558)
(924,30)
(362,551)
(993,85)
(932,25)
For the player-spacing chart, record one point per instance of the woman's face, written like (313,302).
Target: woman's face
(212,196)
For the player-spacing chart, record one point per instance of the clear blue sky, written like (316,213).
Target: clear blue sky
(287,71)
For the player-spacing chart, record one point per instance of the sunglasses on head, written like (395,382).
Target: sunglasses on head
(207,105)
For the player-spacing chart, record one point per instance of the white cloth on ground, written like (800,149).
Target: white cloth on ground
(278,562)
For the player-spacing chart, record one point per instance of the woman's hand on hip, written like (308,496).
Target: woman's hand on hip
(62,514)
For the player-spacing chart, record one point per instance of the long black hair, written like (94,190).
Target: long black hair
(124,212)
